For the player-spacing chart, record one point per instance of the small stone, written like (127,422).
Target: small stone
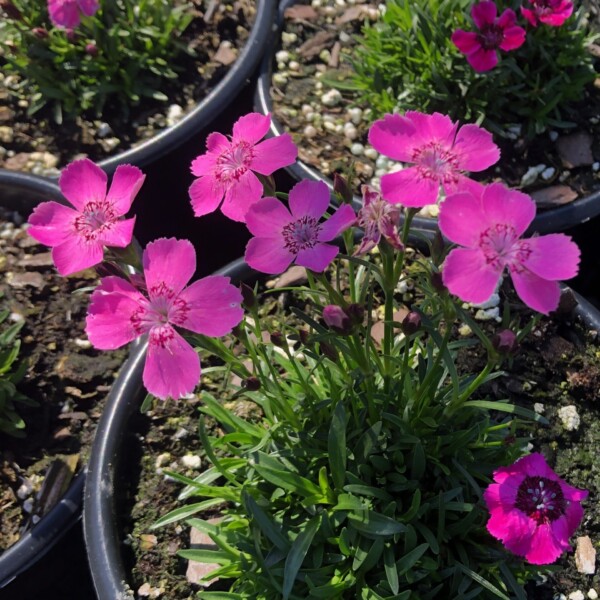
(196,570)
(357,149)
(464,330)
(43,259)
(578,595)
(492,302)
(548,173)
(148,541)
(592,594)
(532,174)
(302,12)
(553,135)
(488,315)
(350,132)
(6,134)
(539,408)
(174,114)
(331,98)
(85,344)
(575,150)
(191,461)
(294,65)
(585,556)
(104,130)
(226,54)
(596,166)
(555,195)
(280,78)
(310,131)
(293,276)
(371,153)
(6,113)
(355,115)
(23,280)
(289,38)
(569,417)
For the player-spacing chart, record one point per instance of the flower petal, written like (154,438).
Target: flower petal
(81,182)
(203,164)
(172,367)
(318,258)
(537,293)
(409,188)
(475,148)
(75,254)
(64,13)
(309,199)
(467,275)
(394,136)
(51,223)
(267,218)
(241,195)
(214,306)
(251,128)
(108,323)
(125,185)
(436,127)
(268,255)
(502,205)
(549,541)
(119,234)
(466,41)
(483,60)
(88,7)
(462,219)
(484,13)
(530,15)
(341,219)
(573,516)
(205,194)
(273,154)
(216,142)
(554,256)
(170,262)
(507,19)
(514,37)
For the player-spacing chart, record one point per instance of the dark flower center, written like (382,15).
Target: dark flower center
(501,246)
(234,162)
(302,234)
(541,498)
(437,163)
(164,308)
(491,37)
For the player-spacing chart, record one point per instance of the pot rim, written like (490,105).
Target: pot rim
(102,538)
(551,220)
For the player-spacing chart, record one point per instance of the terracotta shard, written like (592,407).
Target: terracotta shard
(555,195)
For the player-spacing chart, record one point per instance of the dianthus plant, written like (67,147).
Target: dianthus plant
(500,63)
(74,56)
(375,464)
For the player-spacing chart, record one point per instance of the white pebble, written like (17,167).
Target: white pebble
(539,408)
(28,505)
(344,37)
(371,153)
(548,173)
(174,114)
(357,149)
(350,131)
(25,489)
(532,174)
(83,343)
(492,302)
(592,594)
(280,78)
(464,330)
(294,65)
(488,315)
(596,166)
(191,461)
(289,38)
(331,98)
(569,417)
(553,135)
(282,56)
(355,114)
(306,109)
(329,126)
(578,595)
(310,131)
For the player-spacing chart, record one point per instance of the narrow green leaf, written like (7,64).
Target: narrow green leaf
(264,522)
(297,554)
(185,511)
(410,559)
(336,446)
(375,524)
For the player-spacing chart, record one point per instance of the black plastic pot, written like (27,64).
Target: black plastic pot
(22,191)
(103,539)
(548,221)
(100,523)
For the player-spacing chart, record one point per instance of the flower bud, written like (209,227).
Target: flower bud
(437,282)
(341,188)
(11,11)
(356,312)
(336,319)
(91,49)
(71,35)
(304,336)
(411,323)
(40,33)
(505,342)
(249,299)
(277,339)
(252,384)
(329,351)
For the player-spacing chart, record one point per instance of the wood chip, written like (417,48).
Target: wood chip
(334,61)
(302,12)
(293,276)
(555,195)
(23,280)
(313,46)
(196,570)
(353,13)
(44,259)
(226,54)
(585,556)
(377,331)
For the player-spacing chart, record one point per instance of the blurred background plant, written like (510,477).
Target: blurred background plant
(407,61)
(126,52)
(11,374)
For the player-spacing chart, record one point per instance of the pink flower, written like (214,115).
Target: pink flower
(494,33)
(119,313)
(439,149)
(78,236)
(378,218)
(283,236)
(226,170)
(490,224)
(532,510)
(549,12)
(337,319)
(67,13)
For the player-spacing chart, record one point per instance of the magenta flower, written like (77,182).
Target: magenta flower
(226,170)
(549,12)
(67,13)
(490,225)
(439,149)
(494,33)
(532,510)
(78,236)
(378,218)
(283,236)
(119,313)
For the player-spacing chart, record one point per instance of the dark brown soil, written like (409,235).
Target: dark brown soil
(320,42)
(67,378)
(40,145)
